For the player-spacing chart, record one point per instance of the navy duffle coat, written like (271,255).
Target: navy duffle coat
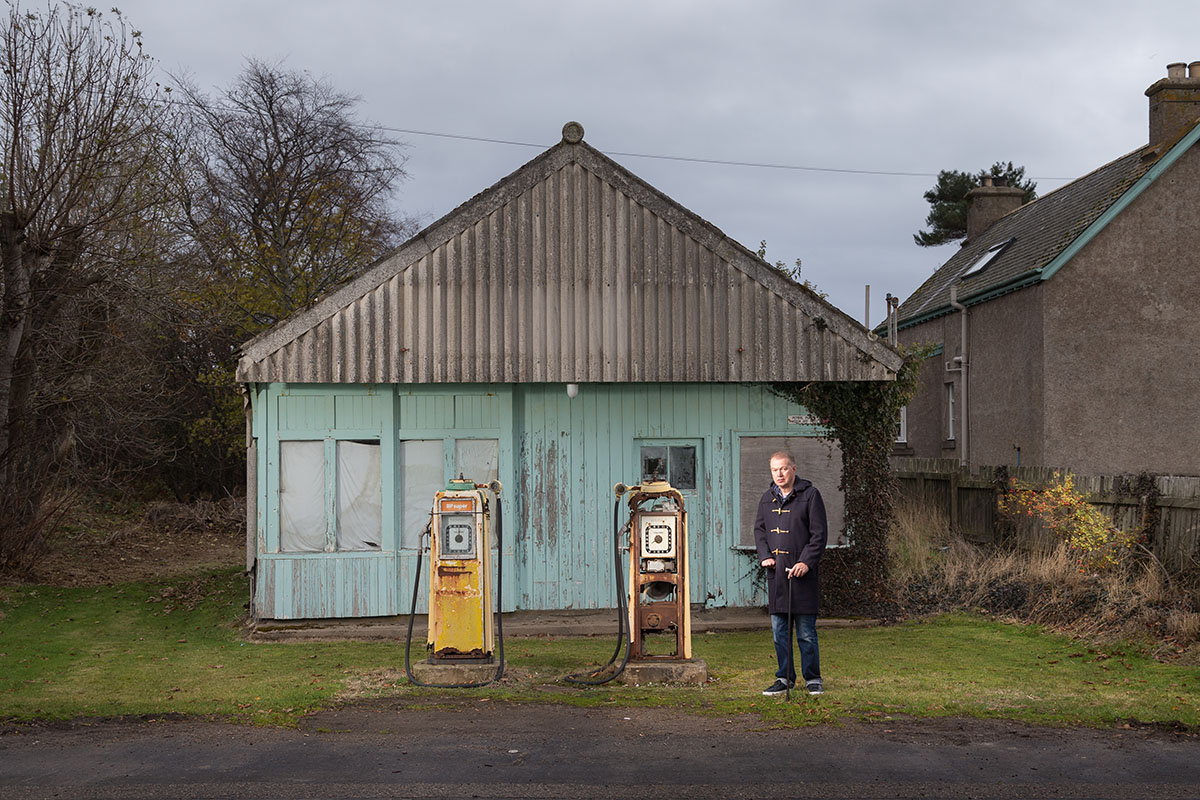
(791,531)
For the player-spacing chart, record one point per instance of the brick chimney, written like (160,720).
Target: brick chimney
(1174,102)
(990,202)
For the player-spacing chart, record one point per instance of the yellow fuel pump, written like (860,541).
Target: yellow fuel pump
(461,628)
(460,575)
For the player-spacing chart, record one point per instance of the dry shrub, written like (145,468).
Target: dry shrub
(918,533)
(1184,626)
(226,514)
(935,571)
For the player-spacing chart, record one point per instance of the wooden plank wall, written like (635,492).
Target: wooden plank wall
(968,500)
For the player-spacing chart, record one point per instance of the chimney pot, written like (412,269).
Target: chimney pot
(1174,102)
(987,180)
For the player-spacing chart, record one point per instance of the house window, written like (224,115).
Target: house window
(950,412)
(330,496)
(990,255)
(674,464)
(902,426)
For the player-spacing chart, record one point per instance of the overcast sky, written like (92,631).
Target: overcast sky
(836,87)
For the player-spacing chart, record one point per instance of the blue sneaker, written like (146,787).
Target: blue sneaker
(777,688)
(815,687)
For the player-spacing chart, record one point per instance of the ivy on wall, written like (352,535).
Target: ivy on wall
(861,416)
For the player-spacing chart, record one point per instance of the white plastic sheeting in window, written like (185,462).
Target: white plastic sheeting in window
(360,498)
(302,497)
(478,459)
(421,476)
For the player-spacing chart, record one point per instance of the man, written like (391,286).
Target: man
(790,532)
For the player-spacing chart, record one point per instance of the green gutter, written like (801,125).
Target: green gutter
(1131,194)
(1027,278)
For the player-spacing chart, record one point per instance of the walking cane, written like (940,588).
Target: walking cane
(791,670)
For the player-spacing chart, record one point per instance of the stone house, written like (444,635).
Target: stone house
(1066,329)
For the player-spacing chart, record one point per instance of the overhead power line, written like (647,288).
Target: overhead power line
(657,156)
(688,159)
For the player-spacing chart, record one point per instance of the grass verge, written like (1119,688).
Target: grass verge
(175,648)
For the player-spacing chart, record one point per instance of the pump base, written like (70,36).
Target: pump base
(692,672)
(454,672)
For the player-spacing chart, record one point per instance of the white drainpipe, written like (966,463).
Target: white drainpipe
(962,363)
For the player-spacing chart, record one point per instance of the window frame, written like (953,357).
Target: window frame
(668,446)
(951,412)
(449,440)
(329,469)
(985,260)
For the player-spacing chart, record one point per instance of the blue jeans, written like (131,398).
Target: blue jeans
(806,640)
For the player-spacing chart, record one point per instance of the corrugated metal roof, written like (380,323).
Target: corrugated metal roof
(569,270)
(1040,231)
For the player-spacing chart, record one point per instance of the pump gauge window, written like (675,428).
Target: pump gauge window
(458,537)
(658,535)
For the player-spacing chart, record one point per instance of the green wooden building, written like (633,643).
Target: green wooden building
(558,332)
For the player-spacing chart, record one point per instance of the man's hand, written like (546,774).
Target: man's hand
(798,570)
(768,563)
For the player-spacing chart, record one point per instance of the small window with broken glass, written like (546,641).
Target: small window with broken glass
(675,464)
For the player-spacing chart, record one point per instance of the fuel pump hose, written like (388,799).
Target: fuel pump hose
(622,615)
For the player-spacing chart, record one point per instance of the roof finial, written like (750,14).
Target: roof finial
(572,133)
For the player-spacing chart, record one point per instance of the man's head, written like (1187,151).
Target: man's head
(783,470)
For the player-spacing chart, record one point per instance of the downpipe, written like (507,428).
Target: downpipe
(963,362)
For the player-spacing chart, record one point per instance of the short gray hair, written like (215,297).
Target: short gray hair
(783,454)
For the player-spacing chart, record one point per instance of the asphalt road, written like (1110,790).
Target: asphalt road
(489,750)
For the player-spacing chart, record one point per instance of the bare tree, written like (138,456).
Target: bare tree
(80,133)
(283,193)
(289,192)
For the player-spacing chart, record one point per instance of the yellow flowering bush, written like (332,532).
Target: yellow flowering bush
(1096,543)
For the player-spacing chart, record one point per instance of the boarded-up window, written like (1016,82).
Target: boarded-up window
(421,477)
(306,484)
(302,497)
(360,499)
(817,460)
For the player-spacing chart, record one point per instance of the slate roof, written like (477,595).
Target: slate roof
(1041,231)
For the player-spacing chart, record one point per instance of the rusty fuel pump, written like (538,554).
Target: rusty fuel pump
(653,605)
(660,622)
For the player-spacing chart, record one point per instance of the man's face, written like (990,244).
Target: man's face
(783,472)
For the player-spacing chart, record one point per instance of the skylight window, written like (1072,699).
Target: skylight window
(988,257)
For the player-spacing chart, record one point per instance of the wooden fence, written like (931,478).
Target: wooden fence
(968,500)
